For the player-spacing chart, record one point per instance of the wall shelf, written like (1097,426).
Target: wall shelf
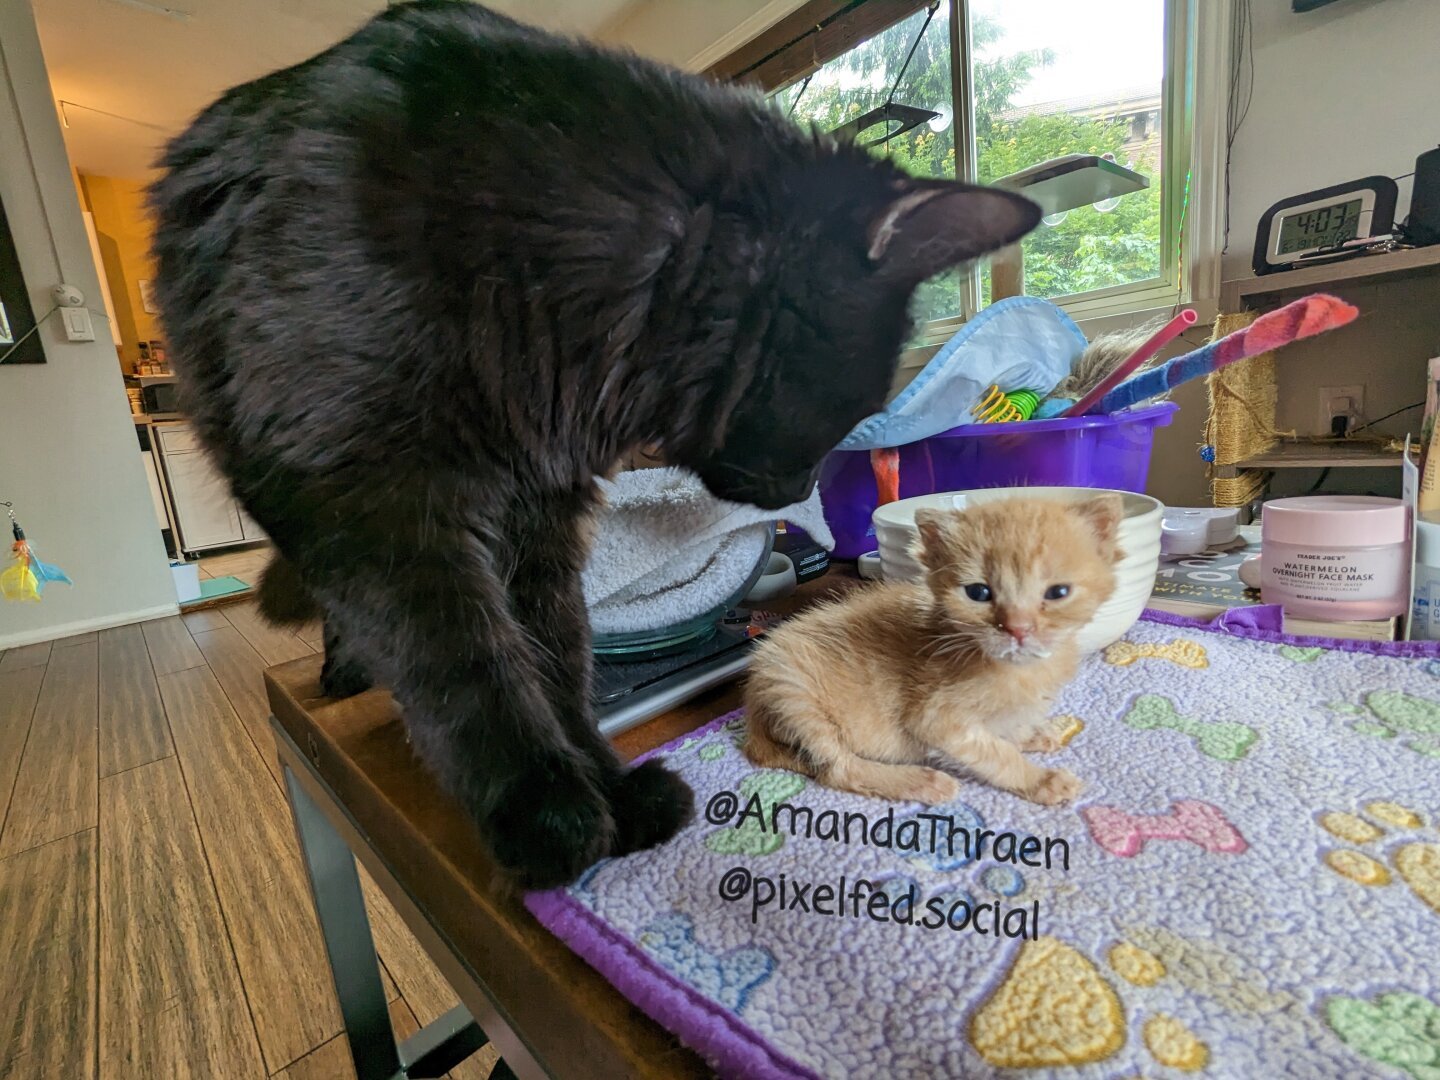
(1324,454)
(1238,293)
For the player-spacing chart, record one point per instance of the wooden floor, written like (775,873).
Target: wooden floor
(154,917)
(246,563)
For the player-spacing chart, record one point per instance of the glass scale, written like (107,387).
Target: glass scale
(630,686)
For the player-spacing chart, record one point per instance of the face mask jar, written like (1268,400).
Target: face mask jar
(1336,557)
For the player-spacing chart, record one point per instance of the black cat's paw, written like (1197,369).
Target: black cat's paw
(342,679)
(549,828)
(651,804)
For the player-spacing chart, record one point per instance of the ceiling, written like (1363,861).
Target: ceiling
(130,76)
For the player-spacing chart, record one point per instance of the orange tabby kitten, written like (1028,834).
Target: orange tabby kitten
(963,668)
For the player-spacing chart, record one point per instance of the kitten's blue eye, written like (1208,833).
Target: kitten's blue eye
(979,592)
(1057,592)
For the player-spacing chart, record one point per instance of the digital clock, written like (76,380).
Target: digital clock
(1315,223)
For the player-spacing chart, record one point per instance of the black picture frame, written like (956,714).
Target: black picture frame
(19,315)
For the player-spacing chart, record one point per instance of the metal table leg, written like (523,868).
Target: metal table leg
(340,907)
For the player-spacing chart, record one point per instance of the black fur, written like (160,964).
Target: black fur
(424,287)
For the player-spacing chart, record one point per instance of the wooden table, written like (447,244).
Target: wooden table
(356,789)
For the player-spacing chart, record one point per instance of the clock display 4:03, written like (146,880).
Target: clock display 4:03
(1325,226)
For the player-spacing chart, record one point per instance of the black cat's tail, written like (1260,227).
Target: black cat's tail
(284,599)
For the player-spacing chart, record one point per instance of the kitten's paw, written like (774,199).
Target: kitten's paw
(1055,786)
(650,804)
(1043,741)
(932,787)
(551,825)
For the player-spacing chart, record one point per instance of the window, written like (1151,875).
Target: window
(1044,79)
(862,79)
(1055,77)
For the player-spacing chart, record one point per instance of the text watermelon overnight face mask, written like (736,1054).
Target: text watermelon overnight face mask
(1336,557)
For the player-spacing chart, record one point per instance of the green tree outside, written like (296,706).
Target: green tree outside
(1089,248)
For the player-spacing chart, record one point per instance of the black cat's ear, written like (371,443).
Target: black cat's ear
(931,227)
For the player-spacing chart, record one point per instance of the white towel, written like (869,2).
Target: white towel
(667,551)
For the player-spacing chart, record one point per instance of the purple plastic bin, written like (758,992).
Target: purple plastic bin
(1087,451)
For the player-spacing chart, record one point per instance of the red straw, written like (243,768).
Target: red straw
(885,464)
(1162,337)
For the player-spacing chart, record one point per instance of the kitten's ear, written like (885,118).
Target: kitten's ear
(930,530)
(1103,514)
(931,226)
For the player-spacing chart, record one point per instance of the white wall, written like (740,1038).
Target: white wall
(693,34)
(1348,91)
(1341,93)
(69,460)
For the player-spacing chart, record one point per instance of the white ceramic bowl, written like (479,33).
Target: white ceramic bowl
(1134,574)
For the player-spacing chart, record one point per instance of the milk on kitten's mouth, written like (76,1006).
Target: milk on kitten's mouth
(1013,652)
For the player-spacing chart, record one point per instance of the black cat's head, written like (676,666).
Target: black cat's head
(839,275)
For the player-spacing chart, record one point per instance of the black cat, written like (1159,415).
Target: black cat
(423,288)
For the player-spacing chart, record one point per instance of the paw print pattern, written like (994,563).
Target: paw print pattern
(1399,1029)
(727,977)
(1052,1008)
(1174,1045)
(710,747)
(893,888)
(898,887)
(1417,863)
(1005,880)
(749,837)
(1136,965)
(942,859)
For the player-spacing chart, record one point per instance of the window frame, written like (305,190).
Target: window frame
(1193,95)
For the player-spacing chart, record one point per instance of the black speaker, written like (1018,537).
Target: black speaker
(1423,225)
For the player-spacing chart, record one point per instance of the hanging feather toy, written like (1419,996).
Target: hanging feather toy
(26,576)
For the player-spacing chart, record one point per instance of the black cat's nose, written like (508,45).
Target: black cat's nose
(797,490)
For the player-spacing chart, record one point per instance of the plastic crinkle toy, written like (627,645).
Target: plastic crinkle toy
(26,576)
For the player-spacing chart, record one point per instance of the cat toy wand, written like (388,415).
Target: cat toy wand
(26,579)
(1162,337)
(1297,320)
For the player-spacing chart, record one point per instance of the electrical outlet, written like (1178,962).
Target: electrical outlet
(1333,403)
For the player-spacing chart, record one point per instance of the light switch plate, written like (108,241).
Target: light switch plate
(78,326)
